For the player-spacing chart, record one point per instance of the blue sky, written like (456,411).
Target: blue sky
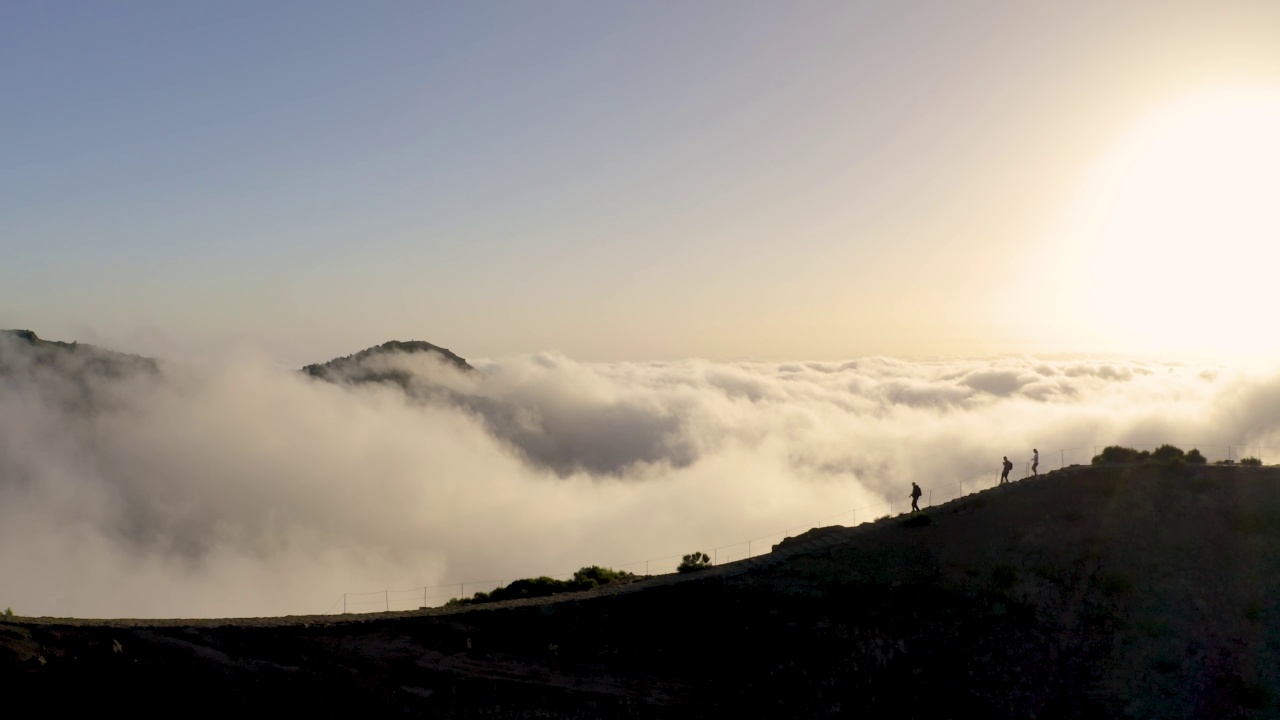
(642,181)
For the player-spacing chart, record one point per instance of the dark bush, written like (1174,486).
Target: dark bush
(917,520)
(528,588)
(1252,461)
(584,579)
(1168,454)
(595,576)
(1194,457)
(694,562)
(1114,454)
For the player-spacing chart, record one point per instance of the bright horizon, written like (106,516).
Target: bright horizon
(815,181)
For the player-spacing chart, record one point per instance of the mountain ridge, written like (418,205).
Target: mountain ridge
(1147,591)
(47,352)
(336,369)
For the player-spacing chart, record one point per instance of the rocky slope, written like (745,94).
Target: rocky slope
(1148,592)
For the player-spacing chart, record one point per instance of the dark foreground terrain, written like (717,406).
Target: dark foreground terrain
(1147,591)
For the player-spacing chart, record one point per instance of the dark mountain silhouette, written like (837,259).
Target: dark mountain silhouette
(22,350)
(608,439)
(362,367)
(1145,591)
(73,376)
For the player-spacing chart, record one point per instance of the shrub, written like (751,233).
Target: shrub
(584,579)
(1252,461)
(917,520)
(1168,454)
(595,576)
(1113,454)
(542,586)
(1194,457)
(694,562)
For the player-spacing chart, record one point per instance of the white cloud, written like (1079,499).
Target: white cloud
(246,490)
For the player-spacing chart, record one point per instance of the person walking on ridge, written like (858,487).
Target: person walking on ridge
(1035,461)
(1004,474)
(916,492)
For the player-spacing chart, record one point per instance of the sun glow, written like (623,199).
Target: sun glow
(1185,227)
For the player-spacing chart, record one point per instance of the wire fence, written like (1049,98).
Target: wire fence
(437,595)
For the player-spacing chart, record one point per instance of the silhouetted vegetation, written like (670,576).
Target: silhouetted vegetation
(694,562)
(1251,461)
(584,579)
(1168,454)
(1165,454)
(1116,454)
(917,520)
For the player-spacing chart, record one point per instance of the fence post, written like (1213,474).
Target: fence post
(930,497)
(386,596)
(424,597)
(748,549)
(344,603)
(715,556)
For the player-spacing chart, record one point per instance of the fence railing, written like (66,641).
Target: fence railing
(435,595)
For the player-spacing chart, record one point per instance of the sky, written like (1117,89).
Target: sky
(641,181)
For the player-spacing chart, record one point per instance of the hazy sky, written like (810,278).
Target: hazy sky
(657,180)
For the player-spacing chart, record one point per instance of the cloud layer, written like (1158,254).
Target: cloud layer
(243,489)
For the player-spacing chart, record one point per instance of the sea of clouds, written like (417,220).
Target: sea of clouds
(247,490)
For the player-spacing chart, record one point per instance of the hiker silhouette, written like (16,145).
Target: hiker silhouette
(1035,461)
(916,492)
(1004,474)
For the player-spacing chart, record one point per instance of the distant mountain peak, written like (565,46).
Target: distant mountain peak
(351,368)
(81,356)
